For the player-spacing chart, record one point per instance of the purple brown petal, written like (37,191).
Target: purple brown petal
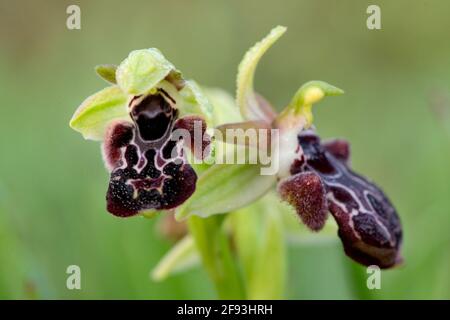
(149,170)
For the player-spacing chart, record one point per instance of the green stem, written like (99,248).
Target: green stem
(213,244)
(260,244)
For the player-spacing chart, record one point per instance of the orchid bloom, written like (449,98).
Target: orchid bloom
(315,177)
(136,119)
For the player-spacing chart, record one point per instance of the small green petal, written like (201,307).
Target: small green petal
(308,94)
(313,91)
(107,72)
(225,187)
(97,111)
(245,95)
(142,70)
(181,257)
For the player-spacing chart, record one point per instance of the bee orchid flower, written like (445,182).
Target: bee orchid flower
(315,177)
(136,119)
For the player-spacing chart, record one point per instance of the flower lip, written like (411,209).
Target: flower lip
(369,226)
(148,171)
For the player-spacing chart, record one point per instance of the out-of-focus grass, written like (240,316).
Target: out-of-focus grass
(52,183)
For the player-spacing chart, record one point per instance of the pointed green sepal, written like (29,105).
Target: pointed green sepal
(97,111)
(246,98)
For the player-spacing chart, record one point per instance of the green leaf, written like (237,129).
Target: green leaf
(225,187)
(182,256)
(97,111)
(246,98)
(107,72)
(142,70)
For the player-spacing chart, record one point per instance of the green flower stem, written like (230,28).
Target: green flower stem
(260,244)
(213,244)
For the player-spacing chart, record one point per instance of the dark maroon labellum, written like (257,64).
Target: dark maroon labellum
(369,226)
(148,167)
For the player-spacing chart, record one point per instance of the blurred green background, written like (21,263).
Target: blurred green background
(396,113)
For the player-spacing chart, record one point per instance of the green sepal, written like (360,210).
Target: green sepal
(142,70)
(245,96)
(97,111)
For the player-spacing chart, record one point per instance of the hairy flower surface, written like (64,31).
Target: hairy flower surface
(149,169)
(369,226)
